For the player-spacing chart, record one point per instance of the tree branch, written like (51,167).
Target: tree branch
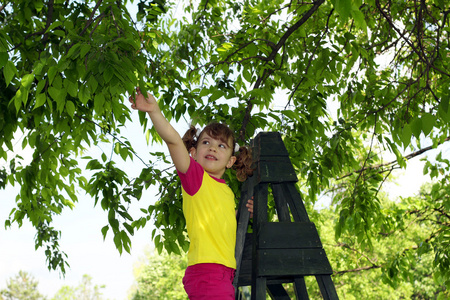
(414,48)
(271,57)
(310,59)
(338,273)
(91,17)
(3,6)
(114,137)
(407,157)
(48,22)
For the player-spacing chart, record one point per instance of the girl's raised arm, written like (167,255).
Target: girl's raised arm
(170,136)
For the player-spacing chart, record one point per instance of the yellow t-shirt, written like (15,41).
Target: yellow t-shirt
(209,209)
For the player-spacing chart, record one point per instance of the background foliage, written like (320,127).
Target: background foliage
(159,276)
(348,83)
(22,286)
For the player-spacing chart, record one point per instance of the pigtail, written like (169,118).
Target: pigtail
(190,138)
(243,164)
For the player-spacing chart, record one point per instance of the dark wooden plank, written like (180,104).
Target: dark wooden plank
(243,217)
(278,169)
(295,202)
(300,288)
(280,203)
(277,292)
(294,262)
(326,287)
(260,214)
(269,144)
(245,275)
(286,235)
(247,253)
(259,288)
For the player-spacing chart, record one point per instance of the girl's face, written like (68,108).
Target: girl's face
(214,155)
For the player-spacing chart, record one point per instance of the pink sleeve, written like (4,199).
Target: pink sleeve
(191,181)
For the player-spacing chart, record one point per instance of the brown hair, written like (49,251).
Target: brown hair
(243,164)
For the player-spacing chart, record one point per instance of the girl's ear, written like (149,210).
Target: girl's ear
(193,152)
(231,162)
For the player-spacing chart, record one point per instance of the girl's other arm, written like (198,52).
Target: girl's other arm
(171,137)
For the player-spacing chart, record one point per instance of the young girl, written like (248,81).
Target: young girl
(208,203)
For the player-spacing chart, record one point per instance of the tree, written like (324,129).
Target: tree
(84,291)
(398,266)
(23,286)
(159,276)
(257,65)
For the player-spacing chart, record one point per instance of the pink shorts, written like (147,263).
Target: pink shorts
(209,281)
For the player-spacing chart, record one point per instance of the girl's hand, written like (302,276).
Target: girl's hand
(250,207)
(140,102)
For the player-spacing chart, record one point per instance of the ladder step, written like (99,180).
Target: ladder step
(293,262)
(295,235)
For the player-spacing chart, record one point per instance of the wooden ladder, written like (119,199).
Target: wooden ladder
(277,252)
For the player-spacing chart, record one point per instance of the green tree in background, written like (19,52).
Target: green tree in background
(159,276)
(23,286)
(84,291)
(399,265)
(348,83)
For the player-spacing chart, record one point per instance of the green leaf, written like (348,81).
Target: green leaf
(51,74)
(291,115)
(9,71)
(118,242)
(59,96)
(216,95)
(428,122)
(53,26)
(59,33)
(73,51)
(125,241)
(72,87)
(40,86)
(247,75)
(40,100)
(406,135)
(443,109)
(99,104)
(70,108)
(84,94)
(84,50)
(105,231)
(344,8)
(3,58)
(108,74)
(19,99)
(93,84)
(416,127)
(63,171)
(359,18)
(129,228)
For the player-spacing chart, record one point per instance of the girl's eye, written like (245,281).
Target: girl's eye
(222,146)
(205,142)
